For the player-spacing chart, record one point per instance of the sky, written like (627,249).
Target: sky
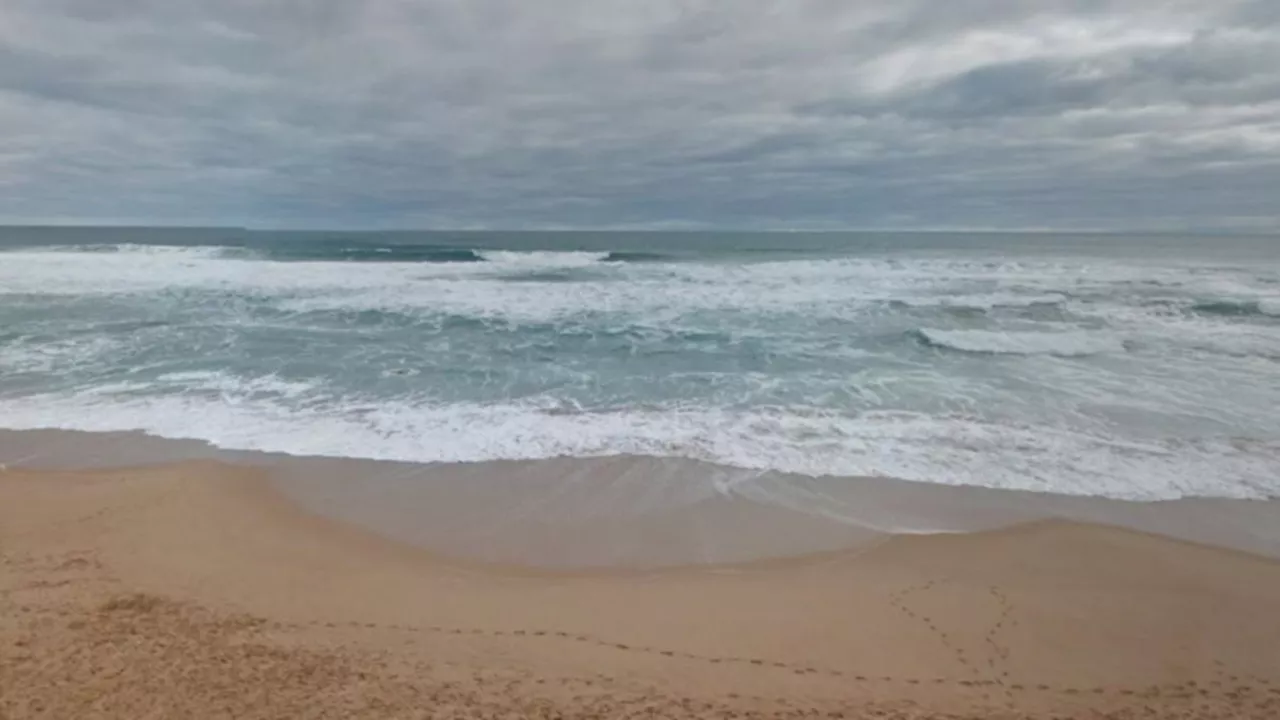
(765,114)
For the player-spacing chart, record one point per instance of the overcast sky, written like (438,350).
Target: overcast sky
(646,113)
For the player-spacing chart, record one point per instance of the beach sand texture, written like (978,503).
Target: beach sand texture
(194,590)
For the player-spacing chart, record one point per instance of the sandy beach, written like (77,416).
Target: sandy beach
(197,590)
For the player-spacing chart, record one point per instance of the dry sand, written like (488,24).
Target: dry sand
(194,591)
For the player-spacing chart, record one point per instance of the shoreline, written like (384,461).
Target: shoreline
(644,512)
(195,588)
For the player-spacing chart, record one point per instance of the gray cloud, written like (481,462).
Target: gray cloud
(773,113)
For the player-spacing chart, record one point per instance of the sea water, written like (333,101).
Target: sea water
(1140,367)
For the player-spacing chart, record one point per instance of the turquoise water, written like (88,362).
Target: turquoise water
(1129,366)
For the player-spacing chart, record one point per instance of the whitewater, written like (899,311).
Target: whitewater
(1134,367)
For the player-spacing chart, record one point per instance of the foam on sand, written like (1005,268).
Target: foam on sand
(636,511)
(272,415)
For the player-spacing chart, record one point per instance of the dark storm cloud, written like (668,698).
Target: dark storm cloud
(795,113)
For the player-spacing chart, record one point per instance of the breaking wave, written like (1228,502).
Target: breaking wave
(988,342)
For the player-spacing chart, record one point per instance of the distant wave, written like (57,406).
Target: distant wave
(542,258)
(1239,308)
(124,249)
(986,342)
(569,257)
(325,252)
(321,252)
(972,305)
(980,302)
(345,251)
(635,256)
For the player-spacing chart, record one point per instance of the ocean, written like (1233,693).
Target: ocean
(1127,366)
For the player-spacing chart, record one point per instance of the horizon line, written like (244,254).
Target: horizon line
(649,230)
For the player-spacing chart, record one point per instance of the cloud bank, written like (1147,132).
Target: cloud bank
(664,113)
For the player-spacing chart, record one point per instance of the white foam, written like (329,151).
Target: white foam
(1237,341)
(1062,344)
(542,258)
(846,289)
(228,385)
(22,356)
(189,251)
(950,450)
(1165,329)
(983,301)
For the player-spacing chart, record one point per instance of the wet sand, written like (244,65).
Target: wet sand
(203,588)
(644,512)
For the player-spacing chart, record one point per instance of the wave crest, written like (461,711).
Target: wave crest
(1269,307)
(542,258)
(987,342)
